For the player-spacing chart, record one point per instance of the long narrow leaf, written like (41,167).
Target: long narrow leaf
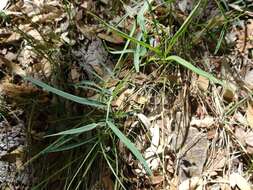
(76,130)
(183,28)
(124,35)
(194,69)
(66,95)
(130,146)
(71,146)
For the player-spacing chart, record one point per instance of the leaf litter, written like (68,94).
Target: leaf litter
(192,133)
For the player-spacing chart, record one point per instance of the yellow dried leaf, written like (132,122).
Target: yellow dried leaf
(229,93)
(203,83)
(141,100)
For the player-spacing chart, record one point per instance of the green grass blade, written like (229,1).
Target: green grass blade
(183,28)
(82,164)
(125,50)
(137,55)
(124,35)
(222,35)
(71,146)
(140,16)
(66,95)
(130,146)
(76,130)
(110,166)
(196,70)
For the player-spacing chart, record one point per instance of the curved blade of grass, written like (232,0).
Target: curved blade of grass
(130,146)
(76,130)
(141,13)
(137,55)
(92,86)
(222,35)
(183,28)
(124,35)
(71,146)
(83,162)
(196,70)
(125,50)
(66,95)
(110,166)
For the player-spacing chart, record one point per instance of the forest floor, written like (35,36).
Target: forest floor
(133,95)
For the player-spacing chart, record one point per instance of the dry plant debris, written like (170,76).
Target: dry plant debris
(192,133)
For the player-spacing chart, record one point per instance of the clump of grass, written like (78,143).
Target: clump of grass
(84,139)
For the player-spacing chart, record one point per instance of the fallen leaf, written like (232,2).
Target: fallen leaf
(203,83)
(229,93)
(249,114)
(249,138)
(249,79)
(174,183)
(141,100)
(236,179)
(240,135)
(191,183)
(14,68)
(113,38)
(206,122)
(157,179)
(3,4)
(144,120)
(75,75)
(121,99)
(218,162)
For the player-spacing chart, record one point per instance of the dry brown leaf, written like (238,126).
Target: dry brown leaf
(14,68)
(229,93)
(236,179)
(203,83)
(120,100)
(75,75)
(157,179)
(47,18)
(174,183)
(113,38)
(140,78)
(249,114)
(107,182)
(87,30)
(217,163)
(244,42)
